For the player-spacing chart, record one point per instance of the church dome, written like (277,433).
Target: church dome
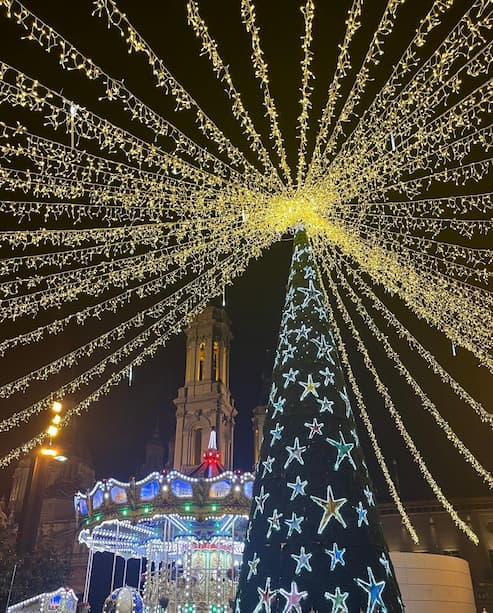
(123,600)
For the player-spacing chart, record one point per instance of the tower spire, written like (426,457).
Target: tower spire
(314,539)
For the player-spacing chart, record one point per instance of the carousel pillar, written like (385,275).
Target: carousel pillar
(87,582)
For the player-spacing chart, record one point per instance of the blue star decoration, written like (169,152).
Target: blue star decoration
(302,561)
(276,433)
(336,556)
(294,523)
(287,354)
(302,332)
(374,590)
(331,508)
(295,453)
(343,451)
(338,600)
(326,405)
(362,514)
(298,487)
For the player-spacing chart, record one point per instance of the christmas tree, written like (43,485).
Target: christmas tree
(314,538)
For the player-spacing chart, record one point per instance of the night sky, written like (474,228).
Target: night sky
(116,428)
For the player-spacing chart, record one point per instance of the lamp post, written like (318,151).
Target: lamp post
(31,510)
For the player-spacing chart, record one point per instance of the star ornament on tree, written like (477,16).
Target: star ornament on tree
(298,487)
(295,453)
(331,508)
(294,523)
(260,500)
(302,561)
(293,599)
(311,293)
(276,433)
(343,451)
(338,600)
(252,565)
(310,387)
(314,427)
(374,590)
(336,556)
(266,596)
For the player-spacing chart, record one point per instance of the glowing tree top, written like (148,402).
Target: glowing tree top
(314,539)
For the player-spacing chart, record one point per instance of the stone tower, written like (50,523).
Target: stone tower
(204,401)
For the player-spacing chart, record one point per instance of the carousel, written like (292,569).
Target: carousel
(185,530)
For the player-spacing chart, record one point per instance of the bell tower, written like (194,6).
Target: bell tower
(204,402)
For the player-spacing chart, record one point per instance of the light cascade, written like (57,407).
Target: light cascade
(127,231)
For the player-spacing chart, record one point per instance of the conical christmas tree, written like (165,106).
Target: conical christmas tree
(314,539)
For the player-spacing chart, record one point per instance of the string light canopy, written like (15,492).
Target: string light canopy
(125,220)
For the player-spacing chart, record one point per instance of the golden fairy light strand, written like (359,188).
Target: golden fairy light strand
(407,62)
(372,57)
(394,413)
(353,23)
(305,90)
(209,283)
(404,333)
(165,80)
(96,284)
(341,347)
(70,58)
(262,73)
(374,129)
(459,315)
(221,70)
(404,372)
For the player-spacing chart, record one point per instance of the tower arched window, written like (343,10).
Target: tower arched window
(201,362)
(215,361)
(197,446)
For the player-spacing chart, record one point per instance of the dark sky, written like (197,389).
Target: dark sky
(117,427)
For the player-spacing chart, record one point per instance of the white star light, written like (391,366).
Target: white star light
(302,332)
(267,465)
(295,453)
(302,561)
(310,273)
(384,561)
(298,487)
(374,590)
(331,508)
(290,377)
(252,564)
(314,427)
(273,392)
(311,293)
(310,387)
(287,354)
(328,376)
(362,514)
(294,523)
(276,433)
(293,599)
(369,496)
(289,313)
(260,500)
(274,522)
(323,348)
(326,405)
(345,397)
